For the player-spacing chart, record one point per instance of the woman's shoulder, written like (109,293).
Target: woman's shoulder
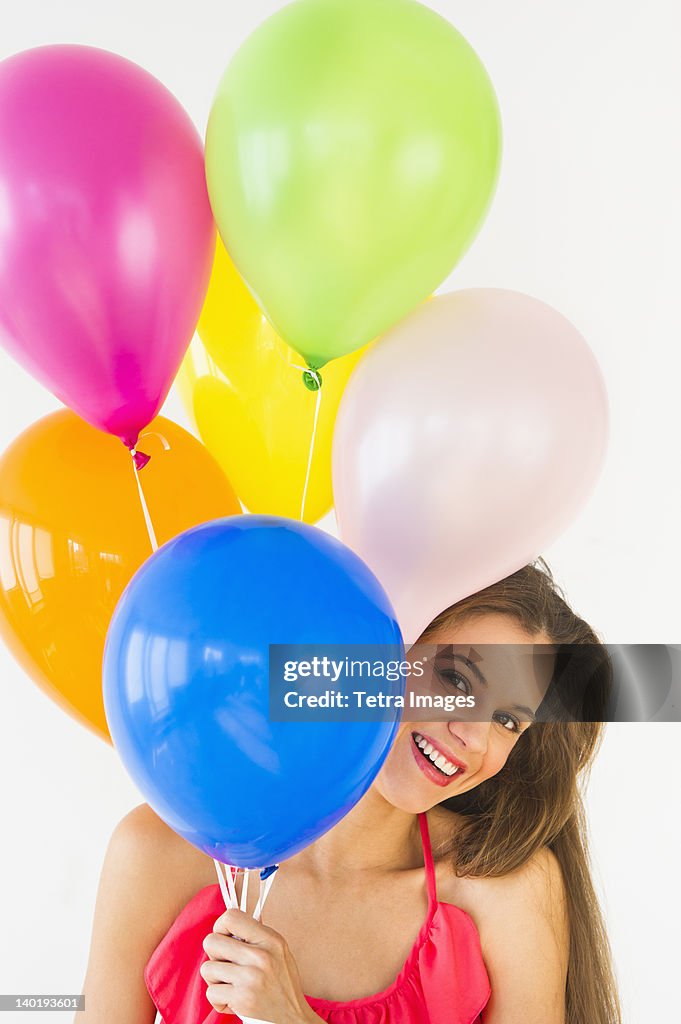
(535,888)
(148,877)
(149,858)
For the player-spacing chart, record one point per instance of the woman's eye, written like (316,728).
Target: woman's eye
(509,723)
(457,680)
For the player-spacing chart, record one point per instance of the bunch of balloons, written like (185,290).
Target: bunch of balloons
(351,154)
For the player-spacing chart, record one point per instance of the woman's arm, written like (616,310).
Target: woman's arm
(149,874)
(522,919)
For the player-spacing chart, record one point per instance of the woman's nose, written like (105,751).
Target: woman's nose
(473,736)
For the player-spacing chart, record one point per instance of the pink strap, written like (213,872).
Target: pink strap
(428,859)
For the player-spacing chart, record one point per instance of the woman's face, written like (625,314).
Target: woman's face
(491,659)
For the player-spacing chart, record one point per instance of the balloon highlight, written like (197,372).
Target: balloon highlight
(72,534)
(107,236)
(187,688)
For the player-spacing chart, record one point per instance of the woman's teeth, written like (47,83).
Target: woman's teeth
(435,755)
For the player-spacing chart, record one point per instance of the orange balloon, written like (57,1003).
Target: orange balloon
(72,534)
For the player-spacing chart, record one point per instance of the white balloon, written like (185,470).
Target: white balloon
(467,439)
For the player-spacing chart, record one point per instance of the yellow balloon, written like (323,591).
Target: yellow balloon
(243,388)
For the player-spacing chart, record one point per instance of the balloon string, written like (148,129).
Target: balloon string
(244,892)
(223,885)
(265,886)
(162,438)
(318,401)
(228,888)
(318,380)
(145,507)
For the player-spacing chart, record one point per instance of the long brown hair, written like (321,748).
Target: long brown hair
(535,800)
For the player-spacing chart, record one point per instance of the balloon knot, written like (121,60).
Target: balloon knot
(266,872)
(312,379)
(139,458)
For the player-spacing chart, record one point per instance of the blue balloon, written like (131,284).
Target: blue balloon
(186,685)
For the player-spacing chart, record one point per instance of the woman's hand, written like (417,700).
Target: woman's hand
(251,972)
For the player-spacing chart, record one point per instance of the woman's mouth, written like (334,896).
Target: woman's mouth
(437,764)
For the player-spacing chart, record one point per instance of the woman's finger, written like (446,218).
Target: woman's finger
(218,996)
(227,984)
(236,922)
(228,948)
(218,972)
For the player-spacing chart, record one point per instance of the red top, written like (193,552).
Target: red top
(444,980)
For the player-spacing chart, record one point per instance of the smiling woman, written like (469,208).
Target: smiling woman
(456,891)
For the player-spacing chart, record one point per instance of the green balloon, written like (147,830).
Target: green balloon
(351,154)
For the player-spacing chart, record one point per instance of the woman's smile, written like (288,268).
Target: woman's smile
(435,761)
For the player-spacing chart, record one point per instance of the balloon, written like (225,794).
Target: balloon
(351,154)
(72,533)
(186,685)
(106,235)
(242,387)
(467,440)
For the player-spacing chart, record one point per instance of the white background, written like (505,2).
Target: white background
(588,218)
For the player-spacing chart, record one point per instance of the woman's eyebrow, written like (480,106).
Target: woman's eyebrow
(471,665)
(522,709)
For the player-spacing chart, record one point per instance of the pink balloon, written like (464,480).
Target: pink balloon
(106,234)
(466,441)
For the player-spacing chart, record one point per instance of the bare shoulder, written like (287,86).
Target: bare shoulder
(537,886)
(148,877)
(535,890)
(144,851)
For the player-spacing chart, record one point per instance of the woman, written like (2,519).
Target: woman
(456,891)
